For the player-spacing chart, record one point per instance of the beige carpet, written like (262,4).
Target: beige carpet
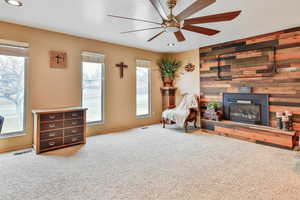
(155,163)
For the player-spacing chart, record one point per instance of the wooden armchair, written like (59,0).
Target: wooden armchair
(192,117)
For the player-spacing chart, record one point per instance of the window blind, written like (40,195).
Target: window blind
(13,48)
(92,57)
(143,63)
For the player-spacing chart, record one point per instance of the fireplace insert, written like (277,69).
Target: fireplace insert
(246,108)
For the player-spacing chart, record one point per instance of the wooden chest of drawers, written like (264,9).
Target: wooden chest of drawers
(58,128)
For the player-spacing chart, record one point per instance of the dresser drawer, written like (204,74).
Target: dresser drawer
(51,134)
(73,131)
(74,122)
(51,117)
(75,114)
(73,139)
(51,125)
(51,143)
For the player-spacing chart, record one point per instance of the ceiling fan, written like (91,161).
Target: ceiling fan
(175,24)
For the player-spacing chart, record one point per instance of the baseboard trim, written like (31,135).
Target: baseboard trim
(102,132)
(12,149)
(120,129)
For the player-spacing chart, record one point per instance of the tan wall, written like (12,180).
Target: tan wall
(52,88)
(187,82)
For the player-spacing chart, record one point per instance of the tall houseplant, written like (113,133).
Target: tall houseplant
(168,68)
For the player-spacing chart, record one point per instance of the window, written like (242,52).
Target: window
(93,86)
(12,88)
(143,77)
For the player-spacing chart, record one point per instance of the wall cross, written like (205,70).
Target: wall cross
(121,66)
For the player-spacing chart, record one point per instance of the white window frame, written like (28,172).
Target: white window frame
(95,58)
(144,64)
(18,49)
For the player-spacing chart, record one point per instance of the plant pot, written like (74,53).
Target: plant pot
(168,82)
(212,109)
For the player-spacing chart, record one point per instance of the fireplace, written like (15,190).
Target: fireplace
(246,108)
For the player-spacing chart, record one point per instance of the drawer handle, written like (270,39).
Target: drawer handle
(51,143)
(52,134)
(52,116)
(51,125)
(74,115)
(74,139)
(74,131)
(74,123)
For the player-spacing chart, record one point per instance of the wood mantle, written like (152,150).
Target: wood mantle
(251,132)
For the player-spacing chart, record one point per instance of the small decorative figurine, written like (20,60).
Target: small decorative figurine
(290,120)
(219,116)
(279,120)
(284,120)
(285,123)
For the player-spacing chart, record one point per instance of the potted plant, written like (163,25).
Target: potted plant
(212,112)
(168,68)
(212,105)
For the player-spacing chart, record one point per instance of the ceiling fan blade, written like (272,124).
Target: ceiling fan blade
(146,29)
(213,18)
(179,36)
(155,36)
(129,18)
(195,7)
(157,5)
(202,30)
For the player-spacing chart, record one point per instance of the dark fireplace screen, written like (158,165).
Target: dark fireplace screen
(243,112)
(246,108)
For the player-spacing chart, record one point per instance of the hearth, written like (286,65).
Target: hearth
(246,108)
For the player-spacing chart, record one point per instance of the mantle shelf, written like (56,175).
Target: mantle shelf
(250,132)
(251,126)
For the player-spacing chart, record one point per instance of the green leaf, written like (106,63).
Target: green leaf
(168,67)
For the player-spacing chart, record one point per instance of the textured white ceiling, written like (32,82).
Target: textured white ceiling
(88,18)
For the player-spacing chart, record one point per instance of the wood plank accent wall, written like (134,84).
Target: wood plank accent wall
(269,63)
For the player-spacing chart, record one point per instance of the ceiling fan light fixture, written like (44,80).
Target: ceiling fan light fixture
(172,29)
(14,3)
(171,26)
(175,24)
